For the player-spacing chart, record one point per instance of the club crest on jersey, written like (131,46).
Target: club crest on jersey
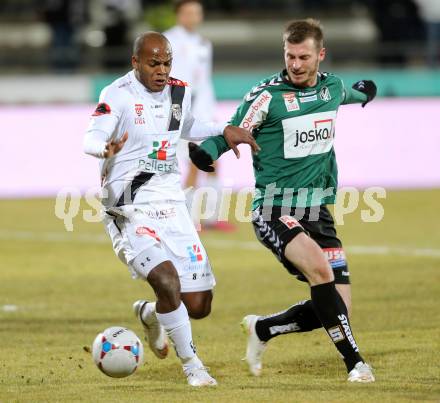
(291,102)
(138,108)
(324,94)
(139,120)
(176,110)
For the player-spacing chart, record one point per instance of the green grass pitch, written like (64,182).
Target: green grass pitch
(59,289)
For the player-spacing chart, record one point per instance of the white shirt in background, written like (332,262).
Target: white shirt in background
(192,63)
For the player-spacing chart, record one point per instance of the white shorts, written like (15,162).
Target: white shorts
(165,229)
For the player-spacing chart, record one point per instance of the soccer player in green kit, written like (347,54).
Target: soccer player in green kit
(292,117)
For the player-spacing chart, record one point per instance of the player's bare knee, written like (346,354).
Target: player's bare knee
(165,282)
(320,274)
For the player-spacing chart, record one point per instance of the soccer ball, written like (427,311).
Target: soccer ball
(117,352)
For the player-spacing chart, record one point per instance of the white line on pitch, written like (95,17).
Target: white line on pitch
(210,244)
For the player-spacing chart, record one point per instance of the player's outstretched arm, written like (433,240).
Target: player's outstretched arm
(211,149)
(236,135)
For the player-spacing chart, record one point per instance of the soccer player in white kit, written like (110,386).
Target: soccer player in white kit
(135,130)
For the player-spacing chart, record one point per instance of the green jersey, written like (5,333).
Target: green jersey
(295,128)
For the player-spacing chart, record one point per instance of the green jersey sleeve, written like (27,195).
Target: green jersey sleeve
(352,96)
(250,114)
(215,146)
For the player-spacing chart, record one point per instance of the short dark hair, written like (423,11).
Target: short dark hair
(299,30)
(178,4)
(145,36)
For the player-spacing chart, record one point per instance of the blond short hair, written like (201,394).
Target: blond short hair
(298,31)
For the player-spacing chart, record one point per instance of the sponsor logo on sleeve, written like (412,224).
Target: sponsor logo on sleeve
(102,109)
(257,111)
(291,102)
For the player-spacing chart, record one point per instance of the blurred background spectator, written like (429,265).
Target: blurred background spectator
(92,35)
(114,18)
(401,30)
(64,18)
(430,13)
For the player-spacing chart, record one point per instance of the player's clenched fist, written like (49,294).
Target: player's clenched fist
(368,88)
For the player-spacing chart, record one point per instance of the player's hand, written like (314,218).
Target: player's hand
(368,88)
(112,147)
(200,158)
(236,135)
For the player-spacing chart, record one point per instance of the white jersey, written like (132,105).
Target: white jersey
(146,168)
(192,62)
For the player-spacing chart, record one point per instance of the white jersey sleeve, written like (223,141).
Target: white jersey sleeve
(104,122)
(196,129)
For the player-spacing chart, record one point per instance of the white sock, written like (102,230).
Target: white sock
(178,328)
(149,313)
